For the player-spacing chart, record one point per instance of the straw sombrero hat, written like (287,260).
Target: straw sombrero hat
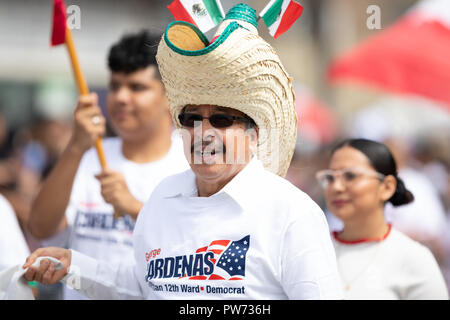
(237,70)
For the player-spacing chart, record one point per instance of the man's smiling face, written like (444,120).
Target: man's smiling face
(218,141)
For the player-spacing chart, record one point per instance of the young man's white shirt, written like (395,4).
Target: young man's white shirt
(92,228)
(397,268)
(258,238)
(13,246)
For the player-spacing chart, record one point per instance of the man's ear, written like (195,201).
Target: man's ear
(253,133)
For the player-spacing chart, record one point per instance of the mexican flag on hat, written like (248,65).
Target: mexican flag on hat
(205,14)
(237,70)
(280,15)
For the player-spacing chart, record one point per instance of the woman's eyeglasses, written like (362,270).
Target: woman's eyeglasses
(216,120)
(347,176)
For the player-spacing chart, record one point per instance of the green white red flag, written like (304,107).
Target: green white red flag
(280,15)
(205,14)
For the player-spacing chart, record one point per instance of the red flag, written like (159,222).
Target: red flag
(59,23)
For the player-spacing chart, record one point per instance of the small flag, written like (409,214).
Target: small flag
(280,15)
(228,260)
(59,23)
(233,259)
(205,14)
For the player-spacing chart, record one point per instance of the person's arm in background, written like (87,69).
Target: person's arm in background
(92,278)
(47,215)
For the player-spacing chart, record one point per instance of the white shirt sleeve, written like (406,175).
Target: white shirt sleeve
(425,280)
(102,281)
(13,247)
(309,269)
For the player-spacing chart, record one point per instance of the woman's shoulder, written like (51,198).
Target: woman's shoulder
(400,240)
(418,268)
(414,255)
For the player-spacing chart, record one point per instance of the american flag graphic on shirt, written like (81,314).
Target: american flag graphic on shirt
(229,259)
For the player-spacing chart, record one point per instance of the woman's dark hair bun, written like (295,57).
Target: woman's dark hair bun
(402,195)
(382,161)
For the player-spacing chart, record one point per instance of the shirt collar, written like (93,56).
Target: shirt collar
(184,186)
(242,188)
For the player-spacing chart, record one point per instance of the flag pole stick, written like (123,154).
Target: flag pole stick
(82,87)
(84,90)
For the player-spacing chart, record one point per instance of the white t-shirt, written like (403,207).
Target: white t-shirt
(13,247)
(92,228)
(397,268)
(258,238)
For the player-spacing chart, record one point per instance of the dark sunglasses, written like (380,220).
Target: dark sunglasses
(217,120)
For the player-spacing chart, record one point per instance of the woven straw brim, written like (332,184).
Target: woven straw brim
(239,70)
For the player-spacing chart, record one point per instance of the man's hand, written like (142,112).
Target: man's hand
(89,123)
(115,191)
(46,273)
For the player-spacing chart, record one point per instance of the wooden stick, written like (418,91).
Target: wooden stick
(82,87)
(84,90)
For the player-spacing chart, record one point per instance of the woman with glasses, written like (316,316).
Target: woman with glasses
(375,260)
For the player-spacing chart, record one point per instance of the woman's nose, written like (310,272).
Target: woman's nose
(338,184)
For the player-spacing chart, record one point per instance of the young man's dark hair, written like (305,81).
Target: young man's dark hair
(133,52)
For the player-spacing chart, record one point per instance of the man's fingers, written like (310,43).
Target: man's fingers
(59,274)
(30,274)
(107,177)
(32,257)
(88,100)
(89,112)
(27,263)
(85,116)
(46,272)
(42,270)
(38,277)
(48,275)
(106,172)
(43,266)
(111,186)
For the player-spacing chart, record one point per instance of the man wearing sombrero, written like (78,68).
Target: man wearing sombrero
(231,227)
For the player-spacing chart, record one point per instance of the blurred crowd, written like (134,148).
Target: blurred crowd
(29,149)
(28,153)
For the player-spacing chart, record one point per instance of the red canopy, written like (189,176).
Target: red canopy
(410,57)
(316,121)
